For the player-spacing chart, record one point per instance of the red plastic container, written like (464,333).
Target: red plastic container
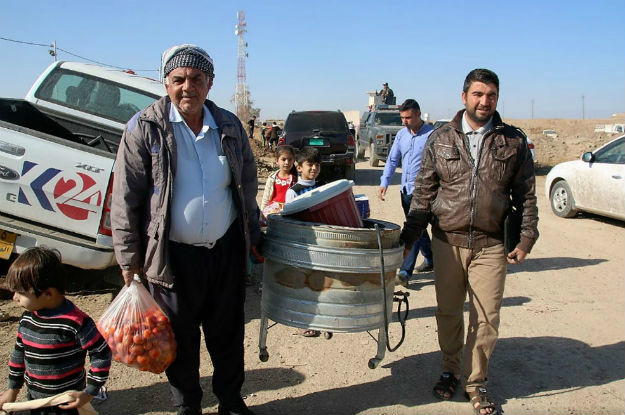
(332,204)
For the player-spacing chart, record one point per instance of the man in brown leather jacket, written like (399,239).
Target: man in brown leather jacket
(474,169)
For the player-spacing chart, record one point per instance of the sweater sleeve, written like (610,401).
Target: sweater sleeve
(16,365)
(268,192)
(99,352)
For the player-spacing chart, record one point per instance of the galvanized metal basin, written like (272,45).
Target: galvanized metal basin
(326,277)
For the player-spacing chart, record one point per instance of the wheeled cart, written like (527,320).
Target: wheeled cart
(329,278)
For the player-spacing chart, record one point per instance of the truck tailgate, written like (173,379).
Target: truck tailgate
(47,180)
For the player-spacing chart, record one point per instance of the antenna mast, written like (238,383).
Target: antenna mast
(241,95)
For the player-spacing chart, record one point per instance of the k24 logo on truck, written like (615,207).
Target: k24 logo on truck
(74,194)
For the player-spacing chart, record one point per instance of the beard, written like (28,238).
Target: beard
(472,113)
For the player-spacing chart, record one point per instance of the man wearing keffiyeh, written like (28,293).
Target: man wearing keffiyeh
(184,217)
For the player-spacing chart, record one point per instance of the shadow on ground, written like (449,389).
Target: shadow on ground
(553,263)
(546,365)
(425,312)
(370,176)
(156,398)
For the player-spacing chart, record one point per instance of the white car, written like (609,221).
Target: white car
(595,183)
(550,133)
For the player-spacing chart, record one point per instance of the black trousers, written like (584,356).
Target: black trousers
(208,292)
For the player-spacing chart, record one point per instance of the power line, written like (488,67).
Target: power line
(26,43)
(75,55)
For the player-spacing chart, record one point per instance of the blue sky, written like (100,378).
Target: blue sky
(328,54)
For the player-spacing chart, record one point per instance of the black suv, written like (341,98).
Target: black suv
(328,132)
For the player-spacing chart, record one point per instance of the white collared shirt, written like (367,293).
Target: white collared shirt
(476,137)
(202,208)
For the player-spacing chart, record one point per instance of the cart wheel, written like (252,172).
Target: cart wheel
(327,335)
(374,362)
(263,355)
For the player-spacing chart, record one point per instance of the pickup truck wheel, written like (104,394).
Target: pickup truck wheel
(562,202)
(373,159)
(360,152)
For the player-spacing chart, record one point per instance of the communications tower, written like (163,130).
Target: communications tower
(241,95)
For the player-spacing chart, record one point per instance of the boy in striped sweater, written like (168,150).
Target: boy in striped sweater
(53,337)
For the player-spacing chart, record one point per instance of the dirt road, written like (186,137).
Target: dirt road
(561,348)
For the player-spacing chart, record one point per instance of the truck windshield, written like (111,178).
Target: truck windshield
(391,118)
(323,121)
(93,95)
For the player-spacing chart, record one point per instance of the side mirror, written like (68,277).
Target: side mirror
(588,157)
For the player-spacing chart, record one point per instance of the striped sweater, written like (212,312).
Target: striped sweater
(50,353)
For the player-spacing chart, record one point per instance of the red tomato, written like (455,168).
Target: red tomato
(154,354)
(142,340)
(127,340)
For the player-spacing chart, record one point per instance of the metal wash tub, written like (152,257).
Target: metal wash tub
(327,278)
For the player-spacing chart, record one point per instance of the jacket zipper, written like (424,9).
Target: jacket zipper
(474,164)
(474,167)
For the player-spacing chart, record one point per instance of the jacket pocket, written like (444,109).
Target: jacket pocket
(448,159)
(503,157)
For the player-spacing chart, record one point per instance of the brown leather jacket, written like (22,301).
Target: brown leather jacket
(467,202)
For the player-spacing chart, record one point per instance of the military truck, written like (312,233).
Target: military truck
(377,131)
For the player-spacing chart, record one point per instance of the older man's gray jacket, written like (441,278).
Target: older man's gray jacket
(142,188)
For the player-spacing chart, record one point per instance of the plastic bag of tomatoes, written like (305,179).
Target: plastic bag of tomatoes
(137,331)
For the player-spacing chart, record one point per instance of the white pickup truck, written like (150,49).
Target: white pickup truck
(57,149)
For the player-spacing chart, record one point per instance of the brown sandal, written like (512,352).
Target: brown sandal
(481,402)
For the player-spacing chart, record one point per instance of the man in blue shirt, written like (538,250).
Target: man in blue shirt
(408,147)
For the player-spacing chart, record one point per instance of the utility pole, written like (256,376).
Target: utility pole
(53,50)
(532,108)
(583,112)
(241,95)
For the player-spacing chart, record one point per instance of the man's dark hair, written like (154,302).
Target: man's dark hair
(308,154)
(409,104)
(485,76)
(35,270)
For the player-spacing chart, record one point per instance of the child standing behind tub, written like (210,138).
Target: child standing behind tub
(279,181)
